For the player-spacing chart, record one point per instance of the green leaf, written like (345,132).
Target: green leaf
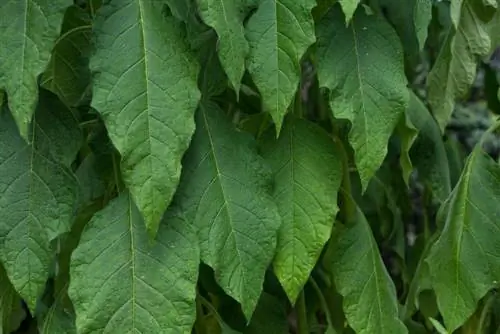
(279,33)
(362,65)
(123,283)
(58,320)
(428,153)
(28,30)
(38,193)
(308,172)
(146,92)
(10,305)
(270,317)
(349,7)
(180,8)
(370,303)
(223,16)
(407,135)
(225,190)
(67,73)
(455,68)
(465,261)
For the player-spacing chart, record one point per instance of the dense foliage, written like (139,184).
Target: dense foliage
(249,166)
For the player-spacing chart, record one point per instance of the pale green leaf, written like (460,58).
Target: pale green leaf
(428,153)
(28,31)
(362,66)
(349,7)
(121,282)
(465,260)
(370,303)
(146,92)
(225,190)
(11,307)
(67,73)
(455,68)
(308,172)
(279,33)
(38,193)
(223,16)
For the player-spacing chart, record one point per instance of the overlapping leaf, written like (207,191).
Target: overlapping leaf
(308,172)
(362,65)
(38,192)
(370,303)
(10,305)
(225,190)
(145,90)
(28,31)
(349,7)
(465,260)
(279,33)
(123,283)
(224,17)
(455,68)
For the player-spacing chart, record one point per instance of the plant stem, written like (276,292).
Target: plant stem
(300,308)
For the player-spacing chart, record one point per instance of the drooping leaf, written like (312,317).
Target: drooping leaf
(455,68)
(10,305)
(308,172)
(465,260)
(223,16)
(407,134)
(428,153)
(362,66)
(225,190)
(38,192)
(67,73)
(123,283)
(370,303)
(145,90)
(349,7)
(279,33)
(28,31)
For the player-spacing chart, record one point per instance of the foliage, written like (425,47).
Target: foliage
(249,166)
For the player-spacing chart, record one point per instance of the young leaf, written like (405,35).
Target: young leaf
(145,90)
(362,65)
(279,33)
(308,173)
(455,68)
(465,261)
(10,304)
(223,16)
(370,302)
(225,190)
(67,73)
(122,283)
(38,193)
(28,30)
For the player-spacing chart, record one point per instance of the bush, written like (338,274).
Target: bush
(249,166)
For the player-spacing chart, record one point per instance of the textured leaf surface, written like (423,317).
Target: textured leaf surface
(370,303)
(38,193)
(455,68)
(428,153)
(10,305)
(224,17)
(279,33)
(349,7)
(123,283)
(465,260)
(308,172)
(362,65)
(67,74)
(28,30)
(145,90)
(225,190)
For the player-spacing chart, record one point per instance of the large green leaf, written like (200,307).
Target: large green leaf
(224,17)
(370,303)
(308,173)
(465,260)
(225,190)
(67,73)
(279,33)
(145,90)
(362,65)
(10,305)
(455,68)
(38,192)
(28,30)
(123,283)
